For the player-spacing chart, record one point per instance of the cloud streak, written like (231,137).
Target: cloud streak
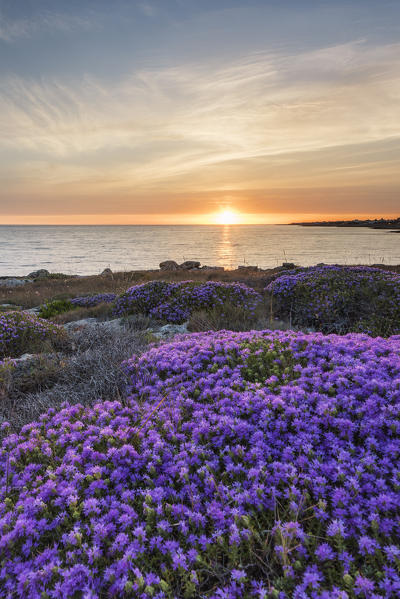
(265,121)
(12,30)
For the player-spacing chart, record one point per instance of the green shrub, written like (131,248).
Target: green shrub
(100,312)
(57,306)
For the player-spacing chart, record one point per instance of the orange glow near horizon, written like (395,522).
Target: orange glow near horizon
(228,217)
(224,217)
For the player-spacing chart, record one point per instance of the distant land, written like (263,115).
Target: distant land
(375,223)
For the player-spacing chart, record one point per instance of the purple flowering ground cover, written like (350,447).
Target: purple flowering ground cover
(339,299)
(176,302)
(259,464)
(90,301)
(22,332)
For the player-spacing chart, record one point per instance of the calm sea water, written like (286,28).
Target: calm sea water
(90,249)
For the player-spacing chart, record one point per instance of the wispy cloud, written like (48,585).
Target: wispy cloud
(148,9)
(268,120)
(12,30)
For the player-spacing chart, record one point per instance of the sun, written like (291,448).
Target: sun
(227,217)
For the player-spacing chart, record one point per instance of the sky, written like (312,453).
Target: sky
(171,111)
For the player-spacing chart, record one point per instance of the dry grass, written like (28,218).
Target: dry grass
(101,312)
(234,318)
(41,291)
(38,292)
(92,373)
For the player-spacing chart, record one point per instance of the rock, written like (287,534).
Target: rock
(169,330)
(115,323)
(189,265)
(11,282)
(35,310)
(107,272)
(79,324)
(169,265)
(9,307)
(218,268)
(248,268)
(288,265)
(25,358)
(42,273)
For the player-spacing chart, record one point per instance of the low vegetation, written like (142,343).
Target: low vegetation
(176,302)
(90,373)
(21,333)
(252,464)
(237,467)
(55,307)
(339,299)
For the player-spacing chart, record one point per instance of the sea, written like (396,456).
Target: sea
(86,250)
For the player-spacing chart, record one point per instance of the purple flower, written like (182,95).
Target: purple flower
(232,455)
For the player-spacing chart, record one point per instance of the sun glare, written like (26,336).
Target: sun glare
(227,217)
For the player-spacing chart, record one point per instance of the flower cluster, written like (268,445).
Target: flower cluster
(175,302)
(141,299)
(89,301)
(339,299)
(259,464)
(22,332)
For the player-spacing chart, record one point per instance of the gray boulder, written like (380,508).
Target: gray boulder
(35,310)
(107,272)
(169,265)
(288,265)
(113,324)
(169,330)
(80,324)
(9,307)
(25,358)
(189,265)
(11,282)
(42,273)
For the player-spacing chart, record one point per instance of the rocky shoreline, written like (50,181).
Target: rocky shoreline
(381,223)
(167,266)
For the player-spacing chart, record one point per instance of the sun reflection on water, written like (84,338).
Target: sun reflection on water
(225,248)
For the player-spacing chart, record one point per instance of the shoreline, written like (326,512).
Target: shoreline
(385,224)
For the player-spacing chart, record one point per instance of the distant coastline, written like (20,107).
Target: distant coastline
(381,223)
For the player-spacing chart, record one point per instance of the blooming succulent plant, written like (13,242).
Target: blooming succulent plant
(339,299)
(141,299)
(259,464)
(89,301)
(175,302)
(22,332)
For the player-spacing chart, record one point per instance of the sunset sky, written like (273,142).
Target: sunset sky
(172,111)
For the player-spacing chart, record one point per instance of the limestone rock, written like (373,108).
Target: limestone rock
(74,325)
(169,265)
(9,307)
(107,272)
(189,265)
(35,310)
(79,324)
(12,282)
(25,358)
(170,330)
(42,273)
